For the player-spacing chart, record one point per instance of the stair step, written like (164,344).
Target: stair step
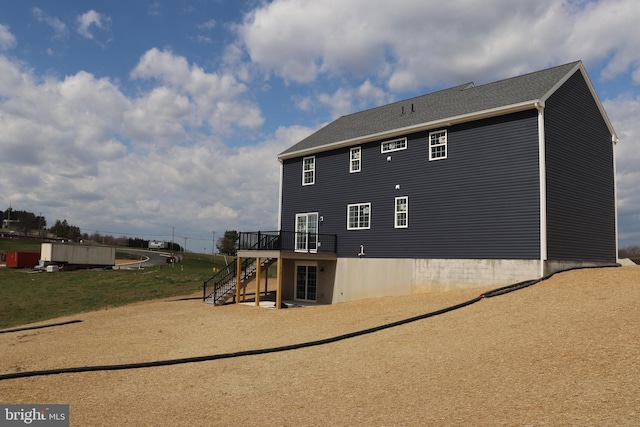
(230,285)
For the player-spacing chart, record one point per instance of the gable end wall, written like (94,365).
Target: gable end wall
(580,177)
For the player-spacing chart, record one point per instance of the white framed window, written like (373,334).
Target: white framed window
(438,145)
(402,212)
(354,159)
(309,170)
(393,145)
(359,216)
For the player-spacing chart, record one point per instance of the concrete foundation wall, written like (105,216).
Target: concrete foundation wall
(373,278)
(350,279)
(446,274)
(359,278)
(556,266)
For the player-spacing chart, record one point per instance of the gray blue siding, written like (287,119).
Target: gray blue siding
(580,177)
(482,202)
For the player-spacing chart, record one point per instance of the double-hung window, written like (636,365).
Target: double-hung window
(354,159)
(359,216)
(308,170)
(402,212)
(438,145)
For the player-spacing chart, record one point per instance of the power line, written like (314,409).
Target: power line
(118,233)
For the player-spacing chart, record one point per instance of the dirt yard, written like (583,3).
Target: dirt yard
(562,352)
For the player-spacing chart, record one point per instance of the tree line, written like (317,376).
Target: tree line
(27,222)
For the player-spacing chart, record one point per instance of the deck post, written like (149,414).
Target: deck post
(279,285)
(238,278)
(266,283)
(258,274)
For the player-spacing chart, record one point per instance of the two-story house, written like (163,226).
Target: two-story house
(468,186)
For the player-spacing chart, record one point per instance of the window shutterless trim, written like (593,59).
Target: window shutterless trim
(362,218)
(309,172)
(401,215)
(355,163)
(438,145)
(393,145)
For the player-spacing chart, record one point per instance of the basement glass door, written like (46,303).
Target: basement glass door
(307,232)
(306,282)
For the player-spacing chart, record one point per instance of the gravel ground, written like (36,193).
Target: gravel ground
(562,352)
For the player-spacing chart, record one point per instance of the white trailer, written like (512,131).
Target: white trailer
(77,256)
(154,244)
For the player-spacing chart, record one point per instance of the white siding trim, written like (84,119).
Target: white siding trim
(543,187)
(614,140)
(279,226)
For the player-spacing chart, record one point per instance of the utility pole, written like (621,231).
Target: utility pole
(173,229)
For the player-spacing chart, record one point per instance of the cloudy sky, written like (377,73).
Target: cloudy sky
(158,118)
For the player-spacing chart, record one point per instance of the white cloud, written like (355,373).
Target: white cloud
(79,149)
(204,39)
(208,25)
(92,19)
(607,31)
(217,97)
(158,120)
(7,40)
(155,9)
(340,102)
(59,27)
(410,44)
(12,78)
(624,112)
(346,100)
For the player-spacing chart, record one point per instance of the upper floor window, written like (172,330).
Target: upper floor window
(402,212)
(308,170)
(393,145)
(438,145)
(354,159)
(359,216)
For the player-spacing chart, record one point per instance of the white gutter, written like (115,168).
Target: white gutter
(449,121)
(542,161)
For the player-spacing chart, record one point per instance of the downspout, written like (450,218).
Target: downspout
(280,197)
(543,187)
(614,142)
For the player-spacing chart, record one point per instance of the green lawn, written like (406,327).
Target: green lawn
(27,297)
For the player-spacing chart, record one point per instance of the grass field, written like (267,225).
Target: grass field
(28,297)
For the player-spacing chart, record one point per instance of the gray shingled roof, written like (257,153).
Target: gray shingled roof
(453,102)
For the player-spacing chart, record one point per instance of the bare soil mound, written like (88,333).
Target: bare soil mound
(565,351)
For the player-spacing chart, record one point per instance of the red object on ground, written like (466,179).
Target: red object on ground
(23,259)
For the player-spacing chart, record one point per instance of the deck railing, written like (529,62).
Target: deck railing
(288,241)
